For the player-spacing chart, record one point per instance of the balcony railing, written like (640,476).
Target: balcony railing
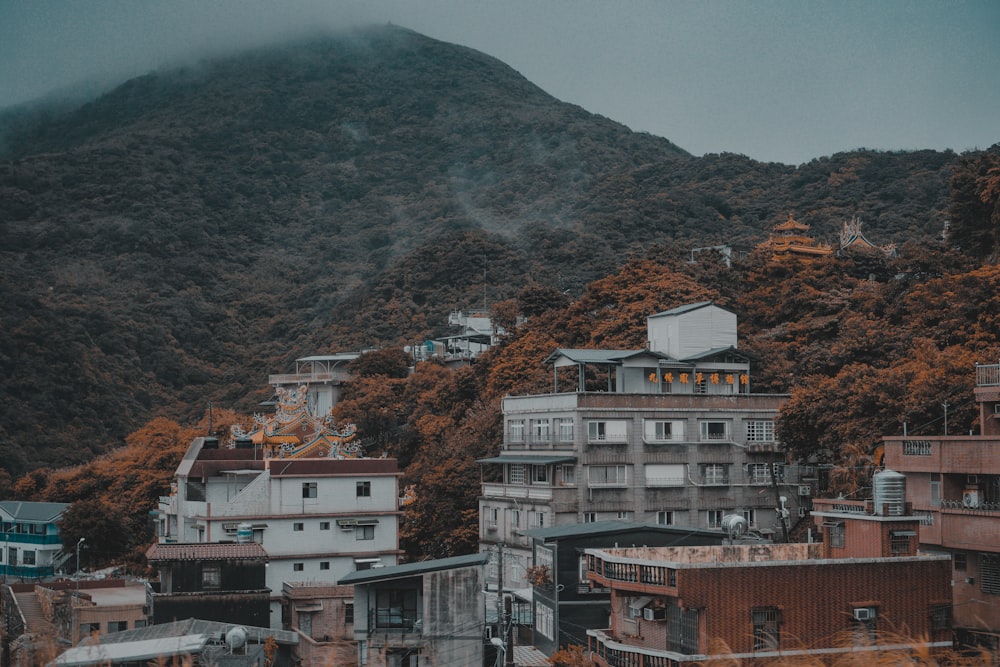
(988,375)
(970,505)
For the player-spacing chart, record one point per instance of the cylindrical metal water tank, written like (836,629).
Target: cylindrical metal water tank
(889,493)
(244,533)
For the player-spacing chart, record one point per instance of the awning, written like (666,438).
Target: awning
(640,603)
(902,533)
(310,606)
(529,459)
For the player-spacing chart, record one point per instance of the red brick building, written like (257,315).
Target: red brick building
(674,605)
(953,484)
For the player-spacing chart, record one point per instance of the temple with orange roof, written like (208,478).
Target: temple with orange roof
(790,238)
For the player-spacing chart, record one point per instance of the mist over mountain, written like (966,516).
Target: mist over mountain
(176,239)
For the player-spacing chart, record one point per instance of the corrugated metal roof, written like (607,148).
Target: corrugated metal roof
(193,626)
(613,526)
(134,651)
(28,511)
(412,569)
(688,308)
(207,551)
(582,356)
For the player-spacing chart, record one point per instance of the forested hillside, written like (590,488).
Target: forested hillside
(174,241)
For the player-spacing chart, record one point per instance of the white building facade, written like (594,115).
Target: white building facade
(317,519)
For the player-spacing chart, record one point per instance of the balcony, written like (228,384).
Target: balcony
(988,375)
(607,651)
(316,377)
(519,491)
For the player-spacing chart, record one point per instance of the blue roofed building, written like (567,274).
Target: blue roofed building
(30,544)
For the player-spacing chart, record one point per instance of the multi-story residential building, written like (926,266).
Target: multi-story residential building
(670,434)
(317,519)
(425,613)
(323,377)
(30,544)
(953,483)
(676,605)
(322,614)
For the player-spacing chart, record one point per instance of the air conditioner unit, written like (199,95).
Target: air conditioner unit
(654,613)
(970,498)
(804,489)
(863,614)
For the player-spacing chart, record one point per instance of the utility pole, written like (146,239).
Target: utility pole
(945,406)
(508,632)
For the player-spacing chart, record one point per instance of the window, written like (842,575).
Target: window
(492,514)
(117,626)
(395,608)
(751,518)
(916,448)
(935,489)
(539,474)
(89,629)
(538,519)
(835,533)
(324,525)
(211,576)
(567,475)
(565,429)
(700,387)
(308,489)
(989,574)
(348,613)
(658,430)
(766,628)
(324,565)
(665,474)
(714,430)
(715,473)
(606,431)
(364,532)
(543,620)
(958,559)
(364,489)
(298,567)
(589,517)
(760,431)
(515,518)
(606,475)
(298,527)
(28,557)
(715,518)
(665,518)
(515,430)
(759,473)
(540,430)
(516,473)
(899,542)
(623,516)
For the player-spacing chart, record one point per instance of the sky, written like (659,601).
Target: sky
(776,80)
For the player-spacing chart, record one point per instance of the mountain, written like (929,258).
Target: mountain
(173,241)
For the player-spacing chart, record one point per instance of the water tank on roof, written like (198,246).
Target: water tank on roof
(244,533)
(236,638)
(889,493)
(734,525)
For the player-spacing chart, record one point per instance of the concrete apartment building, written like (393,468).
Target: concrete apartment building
(30,543)
(953,483)
(670,434)
(317,519)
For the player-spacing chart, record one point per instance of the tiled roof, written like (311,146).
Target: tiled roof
(207,551)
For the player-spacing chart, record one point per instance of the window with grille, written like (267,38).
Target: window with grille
(715,473)
(766,628)
(989,574)
(348,613)
(958,560)
(543,620)
(515,430)
(899,542)
(759,473)
(940,615)
(516,472)
(760,431)
(211,577)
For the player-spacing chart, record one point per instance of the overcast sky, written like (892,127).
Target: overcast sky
(777,80)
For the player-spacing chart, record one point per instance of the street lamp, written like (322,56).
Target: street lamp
(78,544)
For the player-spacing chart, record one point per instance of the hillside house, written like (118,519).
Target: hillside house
(30,544)
(670,434)
(953,485)
(317,519)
